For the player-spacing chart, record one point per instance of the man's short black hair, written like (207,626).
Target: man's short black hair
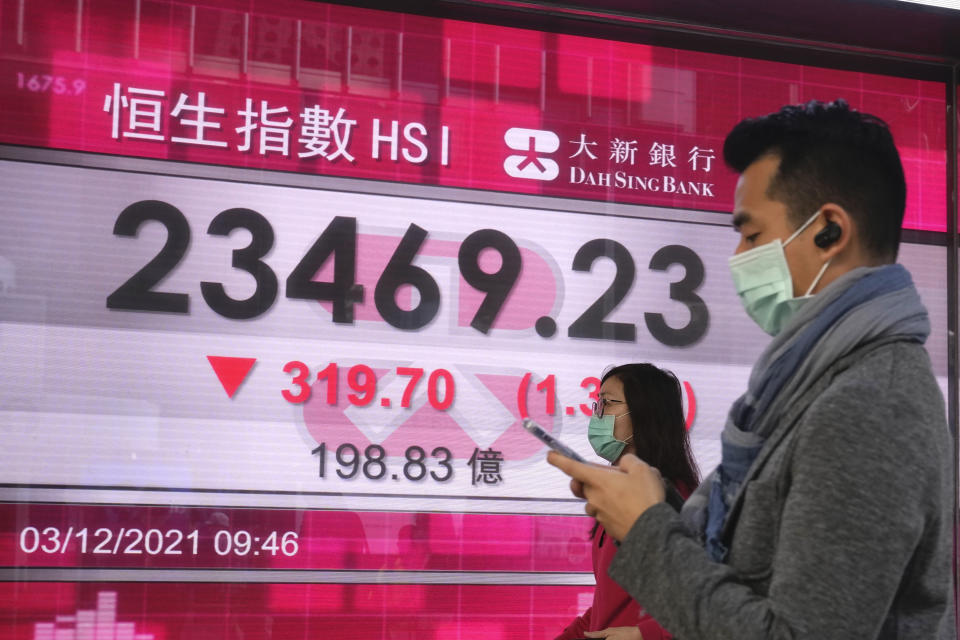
(829,153)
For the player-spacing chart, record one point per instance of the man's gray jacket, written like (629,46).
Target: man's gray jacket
(843,530)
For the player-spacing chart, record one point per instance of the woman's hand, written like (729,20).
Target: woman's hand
(616,633)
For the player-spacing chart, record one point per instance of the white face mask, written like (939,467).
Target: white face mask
(762,279)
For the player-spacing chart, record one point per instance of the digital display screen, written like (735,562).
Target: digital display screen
(278,287)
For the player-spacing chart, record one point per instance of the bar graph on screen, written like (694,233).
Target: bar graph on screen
(91,624)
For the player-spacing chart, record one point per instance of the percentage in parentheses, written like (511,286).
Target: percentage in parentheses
(522,395)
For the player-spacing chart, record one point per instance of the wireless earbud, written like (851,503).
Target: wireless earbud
(828,235)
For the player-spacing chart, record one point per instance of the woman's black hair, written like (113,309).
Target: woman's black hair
(659,428)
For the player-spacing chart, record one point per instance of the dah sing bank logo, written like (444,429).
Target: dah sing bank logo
(623,164)
(531,165)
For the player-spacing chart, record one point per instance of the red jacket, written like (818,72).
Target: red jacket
(612,606)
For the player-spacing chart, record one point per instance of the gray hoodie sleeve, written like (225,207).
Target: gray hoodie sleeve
(845,534)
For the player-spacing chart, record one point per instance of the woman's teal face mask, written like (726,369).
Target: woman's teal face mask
(600,435)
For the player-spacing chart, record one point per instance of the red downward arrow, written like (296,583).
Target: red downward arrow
(231,371)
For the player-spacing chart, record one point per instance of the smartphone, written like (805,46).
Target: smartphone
(550,441)
(673,497)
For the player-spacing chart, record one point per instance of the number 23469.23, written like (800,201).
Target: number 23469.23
(338,242)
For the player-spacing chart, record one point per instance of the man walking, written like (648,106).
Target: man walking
(831,513)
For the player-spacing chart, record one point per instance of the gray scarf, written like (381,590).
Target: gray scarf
(861,306)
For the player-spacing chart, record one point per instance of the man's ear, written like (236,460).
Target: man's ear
(836,230)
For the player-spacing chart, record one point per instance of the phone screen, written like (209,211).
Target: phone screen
(550,441)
